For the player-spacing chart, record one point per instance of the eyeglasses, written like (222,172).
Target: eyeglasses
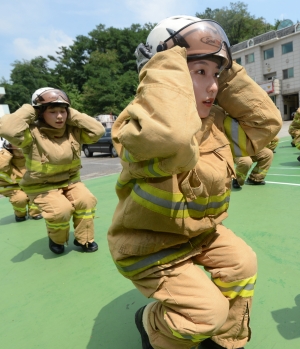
(201,38)
(50,96)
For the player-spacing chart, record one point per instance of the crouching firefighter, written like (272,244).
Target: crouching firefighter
(50,134)
(12,169)
(174,188)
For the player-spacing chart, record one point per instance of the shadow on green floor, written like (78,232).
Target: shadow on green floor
(115,321)
(288,320)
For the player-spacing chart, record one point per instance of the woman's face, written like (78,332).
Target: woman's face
(204,73)
(55,116)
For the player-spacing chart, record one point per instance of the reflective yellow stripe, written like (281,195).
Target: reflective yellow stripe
(9,188)
(175,205)
(85,214)
(242,175)
(27,138)
(20,209)
(32,206)
(134,265)
(196,338)
(39,188)
(85,139)
(121,184)
(236,136)
(152,169)
(192,337)
(58,226)
(6,177)
(50,169)
(260,171)
(243,288)
(127,157)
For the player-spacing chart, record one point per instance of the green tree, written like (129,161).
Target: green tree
(26,77)
(76,97)
(15,95)
(107,87)
(237,22)
(70,61)
(102,66)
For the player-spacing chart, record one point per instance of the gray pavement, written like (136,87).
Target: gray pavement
(98,166)
(284,129)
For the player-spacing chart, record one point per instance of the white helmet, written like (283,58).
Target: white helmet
(201,38)
(49,95)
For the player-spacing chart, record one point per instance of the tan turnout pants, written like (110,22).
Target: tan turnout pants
(263,161)
(59,205)
(19,201)
(190,307)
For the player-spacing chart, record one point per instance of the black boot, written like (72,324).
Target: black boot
(235,184)
(209,344)
(20,219)
(252,182)
(139,324)
(89,247)
(56,248)
(37,217)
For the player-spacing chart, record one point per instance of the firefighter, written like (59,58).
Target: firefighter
(12,169)
(294,129)
(50,133)
(176,151)
(273,144)
(263,160)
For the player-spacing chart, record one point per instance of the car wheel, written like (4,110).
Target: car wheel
(87,152)
(113,152)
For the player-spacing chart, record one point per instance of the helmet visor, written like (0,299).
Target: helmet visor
(52,96)
(201,38)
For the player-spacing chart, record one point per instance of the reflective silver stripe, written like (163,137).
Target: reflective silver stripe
(151,169)
(177,205)
(235,137)
(127,155)
(149,259)
(237,289)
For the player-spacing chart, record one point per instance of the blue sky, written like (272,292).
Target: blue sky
(34,28)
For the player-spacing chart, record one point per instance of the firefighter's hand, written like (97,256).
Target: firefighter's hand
(142,54)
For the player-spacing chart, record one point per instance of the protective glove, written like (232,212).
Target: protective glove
(142,54)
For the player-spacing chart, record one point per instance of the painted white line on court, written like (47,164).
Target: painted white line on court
(100,163)
(280,174)
(286,168)
(298,185)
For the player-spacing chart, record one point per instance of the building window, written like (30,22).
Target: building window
(239,61)
(286,48)
(285,109)
(249,58)
(269,53)
(288,73)
(270,76)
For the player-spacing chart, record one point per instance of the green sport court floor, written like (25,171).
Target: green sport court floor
(78,300)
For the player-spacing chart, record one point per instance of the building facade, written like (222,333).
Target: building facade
(273,61)
(4,109)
